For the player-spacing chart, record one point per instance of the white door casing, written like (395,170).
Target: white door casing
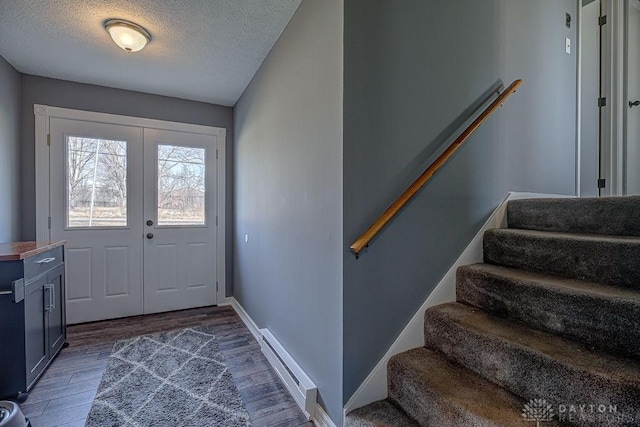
(211,289)
(612,88)
(588,169)
(632,116)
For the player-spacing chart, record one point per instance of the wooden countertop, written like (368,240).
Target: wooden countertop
(15,251)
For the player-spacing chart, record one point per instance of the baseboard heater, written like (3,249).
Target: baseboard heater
(303,390)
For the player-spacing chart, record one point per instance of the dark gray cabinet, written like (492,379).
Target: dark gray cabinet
(56,327)
(35,325)
(32,314)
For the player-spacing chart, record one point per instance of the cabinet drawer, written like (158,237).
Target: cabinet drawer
(42,263)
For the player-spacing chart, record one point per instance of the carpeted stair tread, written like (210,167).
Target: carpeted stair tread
(613,260)
(436,392)
(529,362)
(586,311)
(616,216)
(382,413)
(553,314)
(551,282)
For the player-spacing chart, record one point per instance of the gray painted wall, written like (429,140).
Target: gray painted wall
(288,195)
(9,152)
(60,93)
(411,69)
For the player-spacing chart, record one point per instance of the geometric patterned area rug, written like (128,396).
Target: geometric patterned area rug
(175,378)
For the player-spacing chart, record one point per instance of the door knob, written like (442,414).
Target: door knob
(149,235)
(634,104)
(149,222)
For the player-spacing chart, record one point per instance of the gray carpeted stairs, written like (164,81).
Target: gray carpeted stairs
(553,314)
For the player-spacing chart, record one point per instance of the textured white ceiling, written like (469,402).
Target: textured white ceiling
(205,50)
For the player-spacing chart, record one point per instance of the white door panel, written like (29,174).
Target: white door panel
(180,220)
(96,205)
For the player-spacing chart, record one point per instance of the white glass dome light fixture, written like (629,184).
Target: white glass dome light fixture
(129,36)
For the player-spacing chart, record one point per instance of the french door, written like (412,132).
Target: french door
(137,207)
(180,222)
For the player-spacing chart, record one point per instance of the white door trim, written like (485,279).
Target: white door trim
(578,96)
(44,112)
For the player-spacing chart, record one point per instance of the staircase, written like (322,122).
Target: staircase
(553,313)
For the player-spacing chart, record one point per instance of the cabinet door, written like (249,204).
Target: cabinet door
(35,328)
(54,301)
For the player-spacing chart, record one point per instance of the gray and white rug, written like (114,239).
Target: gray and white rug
(175,378)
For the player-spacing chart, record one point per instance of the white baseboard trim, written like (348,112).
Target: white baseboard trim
(321,418)
(318,415)
(374,387)
(300,386)
(244,316)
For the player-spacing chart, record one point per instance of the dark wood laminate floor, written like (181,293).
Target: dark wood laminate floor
(64,394)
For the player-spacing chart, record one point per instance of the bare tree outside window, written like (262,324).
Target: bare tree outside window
(181,185)
(96,182)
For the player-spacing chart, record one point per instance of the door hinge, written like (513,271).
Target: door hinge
(49,223)
(602,102)
(216,220)
(602,20)
(48,140)
(216,286)
(216,153)
(602,183)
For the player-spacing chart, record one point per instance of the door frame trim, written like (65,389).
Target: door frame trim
(43,114)
(612,142)
(579,25)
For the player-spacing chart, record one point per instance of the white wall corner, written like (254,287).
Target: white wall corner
(41,114)
(374,387)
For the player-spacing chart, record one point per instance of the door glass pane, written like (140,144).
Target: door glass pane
(181,185)
(96,182)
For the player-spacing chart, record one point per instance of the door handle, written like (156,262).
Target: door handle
(149,222)
(50,289)
(149,235)
(634,104)
(45,260)
(47,291)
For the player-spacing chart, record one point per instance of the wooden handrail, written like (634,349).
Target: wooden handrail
(363,241)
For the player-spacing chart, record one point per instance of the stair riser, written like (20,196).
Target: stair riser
(609,324)
(614,263)
(378,414)
(614,216)
(425,405)
(524,371)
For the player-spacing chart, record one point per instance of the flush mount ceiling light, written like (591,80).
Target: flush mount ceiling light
(129,36)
